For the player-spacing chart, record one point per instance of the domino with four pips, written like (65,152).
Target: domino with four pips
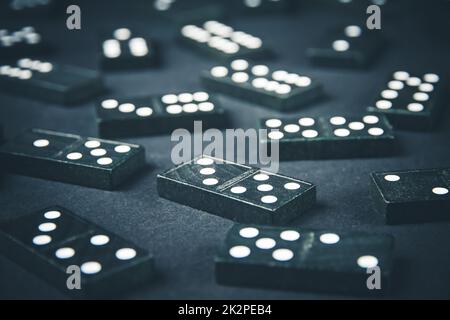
(158,114)
(293,258)
(412,196)
(333,137)
(54,242)
(276,89)
(73,159)
(50,82)
(412,101)
(237,192)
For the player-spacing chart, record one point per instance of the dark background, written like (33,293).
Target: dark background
(184,240)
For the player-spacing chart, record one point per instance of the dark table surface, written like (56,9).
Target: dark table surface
(184,240)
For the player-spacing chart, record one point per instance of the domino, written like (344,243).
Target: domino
(48,241)
(236,192)
(160,114)
(15,43)
(72,159)
(123,50)
(23,7)
(222,42)
(412,196)
(352,46)
(183,12)
(411,102)
(262,6)
(305,260)
(306,138)
(257,83)
(50,82)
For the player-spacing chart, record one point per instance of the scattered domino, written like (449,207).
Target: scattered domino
(412,196)
(306,260)
(50,82)
(222,42)
(72,159)
(261,6)
(123,50)
(35,7)
(348,47)
(276,89)
(26,41)
(411,102)
(48,241)
(159,114)
(303,138)
(237,192)
(182,12)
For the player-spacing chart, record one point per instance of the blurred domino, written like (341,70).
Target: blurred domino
(161,114)
(48,241)
(303,138)
(24,42)
(182,12)
(276,89)
(72,159)
(412,196)
(222,42)
(50,82)
(412,102)
(124,50)
(306,260)
(237,192)
(348,47)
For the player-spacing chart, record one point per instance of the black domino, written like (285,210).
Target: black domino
(159,114)
(50,82)
(305,260)
(303,138)
(72,159)
(349,46)
(48,241)
(412,196)
(237,192)
(181,12)
(25,41)
(122,50)
(261,6)
(412,102)
(222,42)
(257,83)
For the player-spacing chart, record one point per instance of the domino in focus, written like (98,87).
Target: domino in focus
(257,83)
(348,47)
(305,260)
(161,114)
(16,43)
(411,102)
(48,241)
(303,138)
(50,82)
(222,42)
(412,196)
(72,159)
(123,50)
(237,192)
